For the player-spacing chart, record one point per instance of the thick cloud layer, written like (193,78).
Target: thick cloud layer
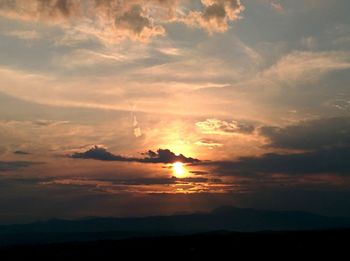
(161,156)
(325,142)
(113,20)
(311,135)
(329,161)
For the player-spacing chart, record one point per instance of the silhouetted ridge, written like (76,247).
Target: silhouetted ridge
(221,219)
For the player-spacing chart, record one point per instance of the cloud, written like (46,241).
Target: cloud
(209,143)
(221,127)
(166,156)
(161,156)
(107,20)
(199,172)
(301,81)
(276,6)
(216,15)
(99,153)
(324,145)
(113,20)
(14,165)
(83,58)
(310,135)
(24,35)
(46,123)
(136,127)
(127,182)
(21,152)
(135,23)
(155,185)
(326,161)
(306,66)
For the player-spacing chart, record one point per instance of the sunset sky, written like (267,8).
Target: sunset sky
(135,107)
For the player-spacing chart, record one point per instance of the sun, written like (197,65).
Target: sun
(179,169)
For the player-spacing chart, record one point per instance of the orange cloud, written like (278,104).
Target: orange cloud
(112,20)
(216,15)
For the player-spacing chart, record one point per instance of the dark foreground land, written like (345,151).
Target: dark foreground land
(331,244)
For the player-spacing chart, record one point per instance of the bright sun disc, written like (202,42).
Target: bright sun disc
(179,170)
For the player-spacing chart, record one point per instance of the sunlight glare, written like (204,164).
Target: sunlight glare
(179,169)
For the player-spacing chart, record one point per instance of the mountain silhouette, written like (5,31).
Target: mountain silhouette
(221,219)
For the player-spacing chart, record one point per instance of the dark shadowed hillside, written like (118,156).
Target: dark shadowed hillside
(215,246)
(221,219)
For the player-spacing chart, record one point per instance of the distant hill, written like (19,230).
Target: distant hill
(221,219)
(292,245)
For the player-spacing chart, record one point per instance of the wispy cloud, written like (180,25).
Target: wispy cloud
(14,165)
(307,66)
(146,185)
(23,34)
(216,126)
(278,7)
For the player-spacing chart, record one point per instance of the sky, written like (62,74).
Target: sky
(137,108)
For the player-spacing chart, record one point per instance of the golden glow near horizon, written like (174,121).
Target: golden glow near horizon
(179,169)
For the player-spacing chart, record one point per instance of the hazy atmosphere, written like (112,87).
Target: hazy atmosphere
(138,108)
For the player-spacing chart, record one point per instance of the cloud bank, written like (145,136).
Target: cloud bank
(324,145)
(160,156)
(113,20)
(311,135)
(326,161)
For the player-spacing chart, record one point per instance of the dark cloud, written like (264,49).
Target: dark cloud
(14,165)
(199,172)
(210,143)
(311,135)
(325,146)
(47,123)
(99,153)
(134,20)
(215,11)
(161,156)
(216,15)
(166,156)
(21,152)
(63,7)
(131,182)
(325,161)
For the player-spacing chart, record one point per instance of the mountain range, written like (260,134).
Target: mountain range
(221,219)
